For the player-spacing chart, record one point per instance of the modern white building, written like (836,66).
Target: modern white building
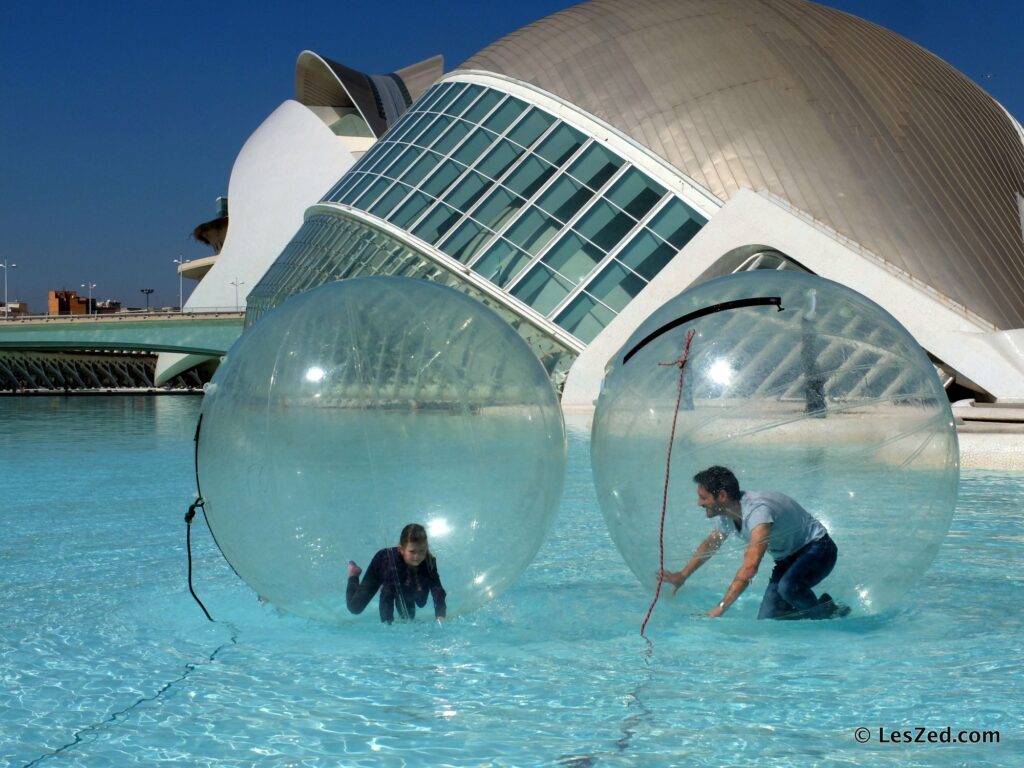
(584,169)
(287,164)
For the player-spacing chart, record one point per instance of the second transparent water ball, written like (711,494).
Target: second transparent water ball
(830,401)
(361,406)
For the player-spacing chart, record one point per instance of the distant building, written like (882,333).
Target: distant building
(68,303)
(14,309)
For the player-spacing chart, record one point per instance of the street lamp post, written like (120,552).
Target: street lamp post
(90,286)
(236,282)
(146,291)
(180,261)
(7,307)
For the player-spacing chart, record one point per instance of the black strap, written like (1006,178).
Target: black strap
(775,301)
(188,546)
(199,503)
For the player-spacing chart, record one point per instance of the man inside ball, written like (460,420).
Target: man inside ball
(769,522)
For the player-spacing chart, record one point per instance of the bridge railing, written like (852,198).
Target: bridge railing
(128,315)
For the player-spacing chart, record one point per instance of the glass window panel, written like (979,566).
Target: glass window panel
(502,262)
(436,128)
(459,104)
(335,192)
(436,223)
(529,176)
(446,98)
(482,106)
(395,169)
(533,230)
(455,133)
(531,127)
(560,144)
(616,286)
(474,146)
(407,124)
(466,241)
(356,189)
(605,225)
(503,116)
(442,178)
(647,255)
(470,189)
(428,98)
(343,186)
(499,158)
(410,209)
(564,198)
(389,200)
(595,166)
(677,223)
(371,194)
(635,193)
(542,289)
(584,318)
(384,156)
(497,208)
(420,168)
(413,134)
(573,257)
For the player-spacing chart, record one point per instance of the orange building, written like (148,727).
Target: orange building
(67,303)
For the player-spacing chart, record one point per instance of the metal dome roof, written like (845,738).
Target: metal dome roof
(854,124)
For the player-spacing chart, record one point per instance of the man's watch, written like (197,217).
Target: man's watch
(722,605)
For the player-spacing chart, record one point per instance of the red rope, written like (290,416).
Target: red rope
(681,362)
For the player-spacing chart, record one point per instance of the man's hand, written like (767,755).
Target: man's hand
(675,579)
(715,612)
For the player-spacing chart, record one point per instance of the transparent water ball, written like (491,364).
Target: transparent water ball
(830,401)
(366,404)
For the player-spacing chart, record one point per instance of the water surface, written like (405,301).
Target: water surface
(106,660)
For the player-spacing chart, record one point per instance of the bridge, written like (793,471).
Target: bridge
(199,333)
(114,351)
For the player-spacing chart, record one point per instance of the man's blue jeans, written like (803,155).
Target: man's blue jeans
(789,594)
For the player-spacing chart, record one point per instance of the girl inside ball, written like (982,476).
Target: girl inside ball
(405,575)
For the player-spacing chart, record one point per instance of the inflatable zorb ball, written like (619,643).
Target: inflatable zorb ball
(361,406)
(829,400)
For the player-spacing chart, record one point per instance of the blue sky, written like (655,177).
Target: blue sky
(119,121)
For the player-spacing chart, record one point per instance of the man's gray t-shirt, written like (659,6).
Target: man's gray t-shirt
(792,526)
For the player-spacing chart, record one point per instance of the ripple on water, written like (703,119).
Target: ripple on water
(102,641)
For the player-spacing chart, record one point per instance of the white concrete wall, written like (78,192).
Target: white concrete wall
(286,165)
(992,359)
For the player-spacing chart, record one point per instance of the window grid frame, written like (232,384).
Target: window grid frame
(409,146)
(612,255)
(473,166)
(584,209)
(531,202)
(426,115)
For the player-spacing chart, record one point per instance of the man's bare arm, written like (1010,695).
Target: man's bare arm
(751,561)
(703,553)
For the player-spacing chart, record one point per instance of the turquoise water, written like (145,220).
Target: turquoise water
(106,660)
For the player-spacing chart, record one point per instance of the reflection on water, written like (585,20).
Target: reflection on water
(98,621)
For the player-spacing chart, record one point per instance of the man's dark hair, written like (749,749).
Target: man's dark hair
(715,479)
